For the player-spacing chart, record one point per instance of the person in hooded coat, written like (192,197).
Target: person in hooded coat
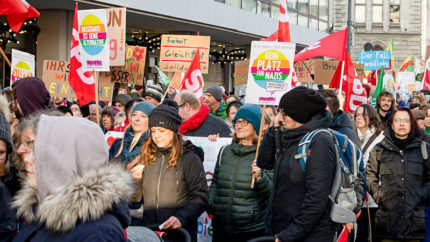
(170,177)
(29,96)
(71,192)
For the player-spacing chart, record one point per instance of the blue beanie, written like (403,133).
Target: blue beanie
(251,113)
(145,107)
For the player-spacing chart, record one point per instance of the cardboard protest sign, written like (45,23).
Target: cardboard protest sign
(324,71)
(133,70)
(111,136)
(373,60)
(211,149)
(94,39)
(116,31)
(22,65)
(177,52)
(304,69)
(56,74)
(241,72)
(270,70)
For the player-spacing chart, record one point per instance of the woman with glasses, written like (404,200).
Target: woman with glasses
(239,210)
(398,178)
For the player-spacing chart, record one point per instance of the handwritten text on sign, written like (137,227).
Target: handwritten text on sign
(56,74)
(116,30)
(133,70)
(177,52)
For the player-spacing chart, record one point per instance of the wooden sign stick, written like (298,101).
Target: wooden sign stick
(5,57)
(259,141)
(96,89)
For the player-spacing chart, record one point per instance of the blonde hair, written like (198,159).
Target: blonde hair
(134,142)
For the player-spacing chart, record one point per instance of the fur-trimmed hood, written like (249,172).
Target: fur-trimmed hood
(85,198)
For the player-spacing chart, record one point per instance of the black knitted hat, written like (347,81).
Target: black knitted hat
(122,98)
(5,134)
(302,103)
(154,91)
(166,116)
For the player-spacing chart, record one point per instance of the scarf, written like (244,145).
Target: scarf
(129,155)
(401,143)
(195,120)
(366,136)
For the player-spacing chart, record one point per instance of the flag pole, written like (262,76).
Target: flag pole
(96,89)
(259,141)
(340,85)
(424,77)
(5,57)
(167,90)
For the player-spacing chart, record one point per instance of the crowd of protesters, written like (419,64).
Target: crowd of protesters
(60,180)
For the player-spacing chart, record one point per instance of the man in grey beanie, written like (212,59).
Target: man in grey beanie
(213,98)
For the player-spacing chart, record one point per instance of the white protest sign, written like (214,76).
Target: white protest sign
(269,75)
(111,136)
(22,65)
(93,39)
(211,149)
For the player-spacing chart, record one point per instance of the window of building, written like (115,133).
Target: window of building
(360,11)
(313,23)
(313,8)
(303,6)
(249,5)
(377,11)
(395,11)
(323,10)
(275,12)
(235,3)
(263,9)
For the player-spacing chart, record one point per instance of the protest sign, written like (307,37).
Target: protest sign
(56,74)
(93,39)
(111,136)
(373,60)
(211,149)
(133,70)
(116,30)
(304,69)
(177,52)
(22,65)
(269,71)
(241,72)
(324,71)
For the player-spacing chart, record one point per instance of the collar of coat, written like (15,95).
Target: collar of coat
(85,198)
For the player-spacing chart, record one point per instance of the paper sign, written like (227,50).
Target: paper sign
(304,69)
(55,76)
(324,71)
(177,52)
(241,72)
(373,60)
(94,39)
(22,65)
(111,136)
(133,70)
(269,72)
(116,30)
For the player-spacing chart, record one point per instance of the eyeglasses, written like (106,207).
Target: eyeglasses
(181,105)
(399,120)
(242,123)
(28,144)
(360,115)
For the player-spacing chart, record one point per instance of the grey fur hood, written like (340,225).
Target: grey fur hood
(86,197)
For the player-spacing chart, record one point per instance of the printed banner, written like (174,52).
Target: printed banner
(269,72)
(134,68)
(374,60)
(94,39)
(211,149)
(22,65)
(177,52)
(324,71)
(56,74)
(116,30)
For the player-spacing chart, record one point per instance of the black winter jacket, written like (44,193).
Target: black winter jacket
(236,207)
(8,220)
(211,125)
(399,181)
(343,124)
(299,208)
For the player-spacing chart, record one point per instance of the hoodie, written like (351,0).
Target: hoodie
(32,95)
(343,124)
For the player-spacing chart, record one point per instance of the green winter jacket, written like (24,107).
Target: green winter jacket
(222,111)
(237,208)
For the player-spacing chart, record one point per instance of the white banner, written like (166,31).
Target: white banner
(211,149)
(93,39)
(270,69)
(22,65)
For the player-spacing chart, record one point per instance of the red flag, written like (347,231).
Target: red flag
(284,24)
(193,79)
(426,79)
(17,11)
(81,82)
(272,37)
(343,237)
(333,46)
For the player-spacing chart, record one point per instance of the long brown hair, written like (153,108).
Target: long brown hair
(149,151)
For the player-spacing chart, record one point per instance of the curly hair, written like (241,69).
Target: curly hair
(149,151)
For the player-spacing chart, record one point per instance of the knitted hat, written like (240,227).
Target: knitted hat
(154,91)
(145,107)
(418,114)
(32,95)
(216,92)
(135,96)
(5,134)
(302,103)
(251,113)
(122,98)
(166,116)
(109,110)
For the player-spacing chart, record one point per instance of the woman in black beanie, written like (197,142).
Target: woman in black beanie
(170,175)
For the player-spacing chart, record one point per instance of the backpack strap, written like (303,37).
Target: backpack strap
(424,150)
(220,155)
(370,141)
(303,147)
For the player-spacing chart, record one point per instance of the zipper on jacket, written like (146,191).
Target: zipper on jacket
(159,179)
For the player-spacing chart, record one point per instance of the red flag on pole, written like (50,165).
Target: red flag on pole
(17,11)
(333,46)
(426,78)
(81,82)
(284,24)
(193,79)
